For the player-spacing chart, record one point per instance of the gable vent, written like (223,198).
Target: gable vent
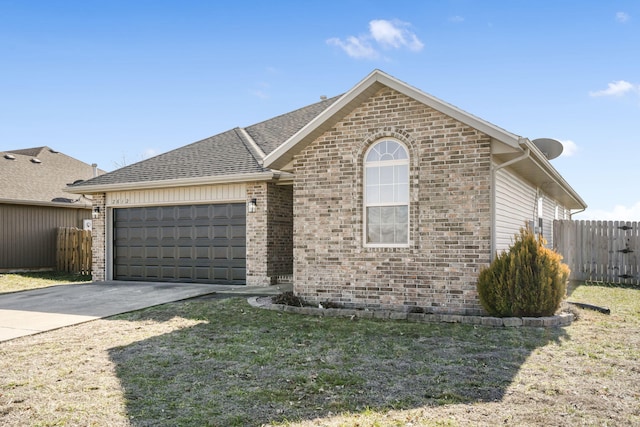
(9,157)
(35,160)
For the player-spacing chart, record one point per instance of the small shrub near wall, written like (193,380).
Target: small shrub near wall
(528,280)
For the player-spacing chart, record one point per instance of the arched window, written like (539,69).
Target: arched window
(386,194)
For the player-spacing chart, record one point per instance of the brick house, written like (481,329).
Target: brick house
(382,197)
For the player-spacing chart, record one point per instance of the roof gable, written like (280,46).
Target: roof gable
(371,84)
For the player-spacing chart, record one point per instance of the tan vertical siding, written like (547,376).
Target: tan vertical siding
(515,204)
(179,195)
(548,215)
(28,234)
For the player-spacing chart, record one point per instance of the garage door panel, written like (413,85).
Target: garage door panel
(238,210)
(152,233)
(238,253)
(202,232)
(151,253)
(185,253)
(167,233)
(238,232)
(184,212)
(239,273)
(221,211)
(185,232)
(202,212)
(202,253)
(199,243)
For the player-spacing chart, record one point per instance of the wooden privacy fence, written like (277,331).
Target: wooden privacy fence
(601,251)
(73,252)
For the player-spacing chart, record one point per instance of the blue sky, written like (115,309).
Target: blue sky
(114,82)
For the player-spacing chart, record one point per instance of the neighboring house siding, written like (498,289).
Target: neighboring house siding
(515,204)
(28,234)
(450,218)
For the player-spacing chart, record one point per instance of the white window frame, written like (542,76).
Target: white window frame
(366,204)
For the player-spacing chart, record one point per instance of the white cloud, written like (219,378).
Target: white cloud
(617,213)
(383,34)
(622,17)
(617,88)
(569,148)
(456,19)
(394,35)
(355,47)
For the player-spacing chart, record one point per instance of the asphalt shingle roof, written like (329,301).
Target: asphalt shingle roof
(227,153)
(271,133)
(40,175)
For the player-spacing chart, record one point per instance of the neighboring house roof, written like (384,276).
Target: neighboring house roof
(234,155)
(40,175)
(265,150)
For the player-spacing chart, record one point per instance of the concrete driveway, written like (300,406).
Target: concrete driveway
(30,312)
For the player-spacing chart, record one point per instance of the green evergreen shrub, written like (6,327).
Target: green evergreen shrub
(528,280)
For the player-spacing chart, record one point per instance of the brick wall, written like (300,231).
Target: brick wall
(98,236)
(449,212)
(269,233)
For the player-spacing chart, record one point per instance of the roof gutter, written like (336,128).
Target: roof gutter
(543,164)
(571,214)
(526,155)
(185,182)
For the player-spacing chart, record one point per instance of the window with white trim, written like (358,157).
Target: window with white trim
(386,194)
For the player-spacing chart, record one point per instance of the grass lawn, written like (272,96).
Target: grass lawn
(13,282)
(221,362)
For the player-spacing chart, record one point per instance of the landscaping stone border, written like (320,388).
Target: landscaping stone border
(560,320)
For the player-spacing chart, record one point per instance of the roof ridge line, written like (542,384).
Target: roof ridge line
(245,135)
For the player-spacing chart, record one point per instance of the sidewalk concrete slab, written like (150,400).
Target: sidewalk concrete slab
(30,312)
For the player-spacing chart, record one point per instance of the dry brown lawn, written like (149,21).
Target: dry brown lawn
(220,362)
(14,282)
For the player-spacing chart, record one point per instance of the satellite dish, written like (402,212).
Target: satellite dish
(551,148)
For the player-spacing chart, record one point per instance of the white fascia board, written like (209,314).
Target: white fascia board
(278,158)
(450,110)
(185,182)
(547,168)
(253,144)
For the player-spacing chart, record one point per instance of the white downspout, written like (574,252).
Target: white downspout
(571,214)
(527,153)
